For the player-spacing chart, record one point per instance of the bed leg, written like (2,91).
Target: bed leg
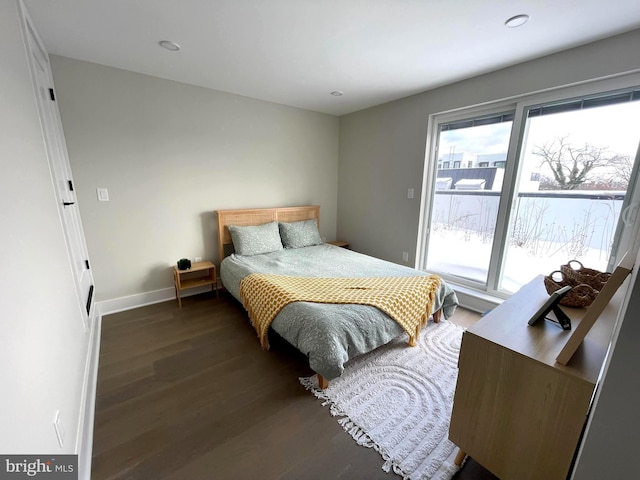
(437,315)
(460,457)
(322,382)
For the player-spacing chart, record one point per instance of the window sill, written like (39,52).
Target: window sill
(474,300)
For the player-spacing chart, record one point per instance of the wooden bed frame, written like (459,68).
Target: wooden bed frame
(258,216)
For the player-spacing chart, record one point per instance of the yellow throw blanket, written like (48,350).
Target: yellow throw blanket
(407,300)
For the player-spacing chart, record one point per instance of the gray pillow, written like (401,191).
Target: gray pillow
(255,239)
(300,234)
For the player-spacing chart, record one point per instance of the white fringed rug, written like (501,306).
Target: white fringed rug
(398,400)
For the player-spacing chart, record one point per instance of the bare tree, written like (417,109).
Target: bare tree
(622,166)
(571,165)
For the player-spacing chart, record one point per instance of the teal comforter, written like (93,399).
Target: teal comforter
(329,334)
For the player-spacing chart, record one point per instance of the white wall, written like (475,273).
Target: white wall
(610,445)
(43,346)
(170,154)
(382,149)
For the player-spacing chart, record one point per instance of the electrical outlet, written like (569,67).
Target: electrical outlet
(405,256)
(198,259)
(57,426)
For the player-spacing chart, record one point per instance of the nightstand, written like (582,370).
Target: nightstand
(340,243)
(200,273)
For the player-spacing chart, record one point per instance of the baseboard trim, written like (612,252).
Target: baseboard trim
(121,304)
(475,301)
(84,442)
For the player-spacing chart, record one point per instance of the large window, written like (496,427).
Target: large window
(561,174)
(465,207)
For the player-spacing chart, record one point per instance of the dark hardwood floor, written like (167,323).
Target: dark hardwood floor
(189,394)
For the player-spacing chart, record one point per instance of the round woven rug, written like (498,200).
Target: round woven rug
(398,400)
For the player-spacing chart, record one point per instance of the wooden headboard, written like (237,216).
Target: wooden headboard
(258,216)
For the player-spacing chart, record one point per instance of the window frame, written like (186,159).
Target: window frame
(483,296)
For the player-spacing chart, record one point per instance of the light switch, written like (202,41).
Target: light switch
(103,195)
(410,193)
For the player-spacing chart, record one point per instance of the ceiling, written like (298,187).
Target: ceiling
(295,52)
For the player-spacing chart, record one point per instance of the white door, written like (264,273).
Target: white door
(60,168)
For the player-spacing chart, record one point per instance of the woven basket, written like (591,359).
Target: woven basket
(580,295)
(589,276)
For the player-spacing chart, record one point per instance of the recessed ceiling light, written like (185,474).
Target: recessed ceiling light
(517,21)
(337,93)
(174,47)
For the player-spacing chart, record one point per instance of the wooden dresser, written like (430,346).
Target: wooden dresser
(516,411)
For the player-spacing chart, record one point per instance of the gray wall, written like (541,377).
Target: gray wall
(382,149)
(43,346)
(170,154)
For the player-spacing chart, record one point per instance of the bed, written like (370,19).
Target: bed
(328,334)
